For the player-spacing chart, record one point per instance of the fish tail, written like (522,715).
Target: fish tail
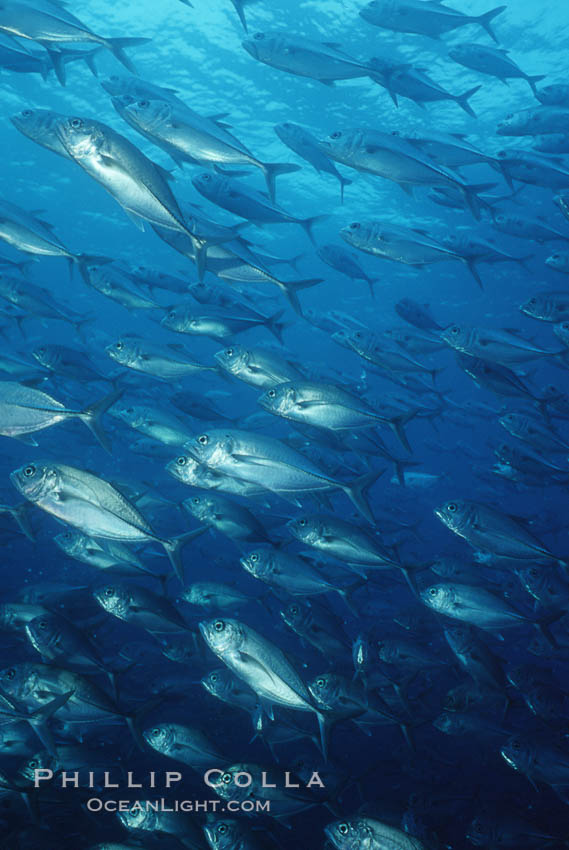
(356,492)
(275,327)
(400,466)
(38,720)
(20,513)
(462,100)
(92,414)
(344,181)
(371,281)
(239,4)
(397,425)
(174,546)
(473,201)
(324,728)
(291,287)
(544,623)
(537,78)
(308,223)
(57,60)
(471,263)
(271,171)
(89,60)
(485,19)
(347,592)
(117,48)
(200,255)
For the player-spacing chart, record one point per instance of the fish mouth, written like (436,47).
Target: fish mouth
(438,512)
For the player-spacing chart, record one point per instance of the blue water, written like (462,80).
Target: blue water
(435,788)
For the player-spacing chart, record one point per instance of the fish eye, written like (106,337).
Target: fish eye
(143,104)
(534,573)
(10,674)
(229,352)
(119,346)
(272,393)
(30,470)
(455,330)
(355,225)
(222,828)
(108,591)
(196,500)
(515,745)
(213,677)
(254,557)
(294,609)
(155,733)
(320,682)
(206,178)
(302,522)
(27,113)
(452,507)
(129,410)
(226,778)
(42,625)
(335,135)
(204,439)
(76,123)
(172,314)
(259,36)
(343,829)
(219,625)
(432,591)
(181,461)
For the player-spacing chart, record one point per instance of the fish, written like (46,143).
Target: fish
(325,62)
(406,245)
(328,406)
(260,664)
(256,207)
(50,31)
(487,528)
(303,143)
(189,137)
(387,155)
(270,464)
(92,505)
(431,19)
(492,61)
(25,411)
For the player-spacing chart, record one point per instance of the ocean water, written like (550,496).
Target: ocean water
(395,766)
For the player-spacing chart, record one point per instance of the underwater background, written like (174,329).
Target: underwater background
(444,723)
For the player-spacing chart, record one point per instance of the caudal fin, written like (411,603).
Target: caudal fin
(238,4)
(398,426)
(92,414)
(344,181)
(174,546)
(535,79)
(308,223)
(462,100)
(485,20)
(471,263)
(291,287)
(57,60)
(271,171)
(117,47)
(356,492)
(275,326)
